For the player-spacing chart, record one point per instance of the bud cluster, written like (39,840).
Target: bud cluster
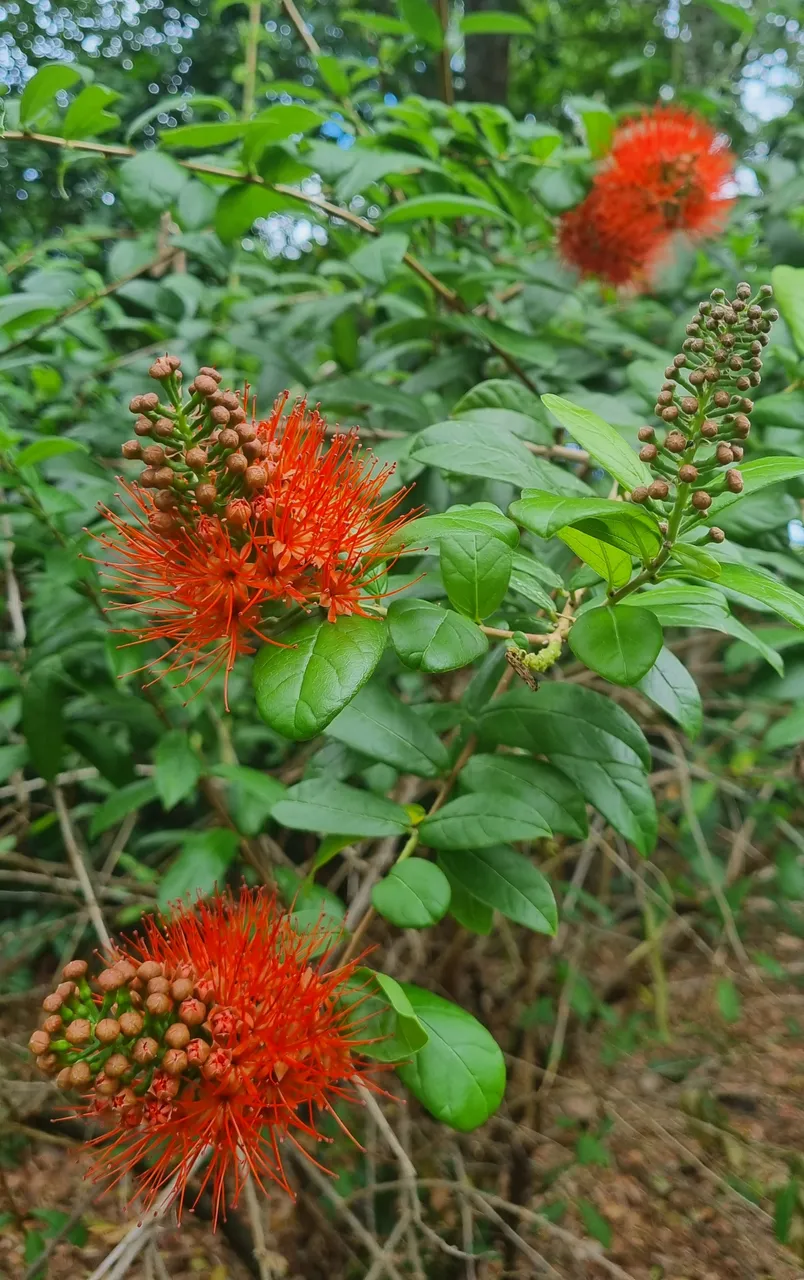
(134,1037)
(201,453)
(705,405)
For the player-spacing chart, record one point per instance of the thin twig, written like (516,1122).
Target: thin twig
(254,1210)
(302,28)
(79,867)
(326,1188)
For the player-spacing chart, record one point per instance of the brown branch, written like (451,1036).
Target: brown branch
(301,27)
(79,867)
(447,87)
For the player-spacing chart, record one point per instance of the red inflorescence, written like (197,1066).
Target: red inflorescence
(278,1045)
(204,570)
(666,173)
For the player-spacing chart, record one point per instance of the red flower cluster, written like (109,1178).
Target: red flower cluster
(231,516)
(665,173)
(218,1033)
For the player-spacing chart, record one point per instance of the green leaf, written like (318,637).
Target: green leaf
(87,117)
(429,638)
(496,23)
(120,804)
(737,17)
(620,523)
(459,1075)
(42,88)
(379,725)
(610,562)
(480,819)
(151,181)
(378,23)
(600,440)
(528,579)
(468,911)
(423,20)
(198,137)
(468,449)
(500,393)
(598,125)
(395,994)
(619,644)
(549,793)
(787,732)
(333,74)
(591,740)
(384,1017)
(507,882)
(443,205)
(178,768)
(788,288)
(691,606)
(758,475)
(42,718)
(413,895)
(475,568)
(379,258)
(756,584)
(728,1000)
(328,849)
(200,867)
(252,795)
(49,447)
(240,207)
(332,808)
(301,689)
(697,561)
(429,531)
(786,1204)
(595,1223)
(315,909)
(671,688)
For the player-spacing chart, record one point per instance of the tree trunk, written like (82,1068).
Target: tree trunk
(486,59)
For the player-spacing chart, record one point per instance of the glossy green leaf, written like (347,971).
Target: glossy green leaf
(508,882)
(496,23)
(378,23)
(178,768)
(42,718)
(332,808)
(49,447)
(423,20)
(758,475)
(300,689)
(198,137)
(121,803)
(428,532)
(619,644)
(200,867)
(756,584)
(734,14)
(476,569)
(379,258)
(480,819)
(555,800)
(42,88)
(459,1075)
(378,724)
(468,448)
(693,606)
(671,688)
(590,739)
(696,561)
(240,207)
(414,894)
(470,912)
(620,523)
(788,289)
(787,732)
(251,793)
(602,441)
(151,181)
(333,74)
(441,206)
(87,116)
(610,562)
(429,638)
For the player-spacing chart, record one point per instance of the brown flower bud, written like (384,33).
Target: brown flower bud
(701,500)
(659,489)
(206,494)
(717,535)
(238,512)
(722,399)
(75,970)
(648,452)
(125,1099)
(154,455)
(736,363)
(193,1013)
(163,478)
(219,415)
(746,405)
(158,1004)
(135,404)
(639,494)
(665,397)
(743,384)
(161,368)
(231,400)
(164,500)
(645,433)
(104,1086)
(734,482)
(177,1036)
(148,478)
(63,1079)
(742,425)
(679,361)
(163,428)
(107,1030)
(198,1051)
(148,403)
(754,379)
(255,450)
(711,375)
(131,449)
(688,474)
(79,1032)
(205,385)
(229,439)
(670,371)
(236,416)
(689,404)
(52,1003)
(117,1066)
(162,523)
(80,1075)
(158,983)
(209,372)
(256,478)
(698,377)
(724,455)
(39,1043)
(237,463)
(737,452)
(181,989)
(196,458)
(709,429)
(131,1023)
(743,290)
(217,1064)
(175,1062)
(675,442)
(145,1050)
(53,1024)
(670,413)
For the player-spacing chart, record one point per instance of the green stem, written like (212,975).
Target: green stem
(250,70)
